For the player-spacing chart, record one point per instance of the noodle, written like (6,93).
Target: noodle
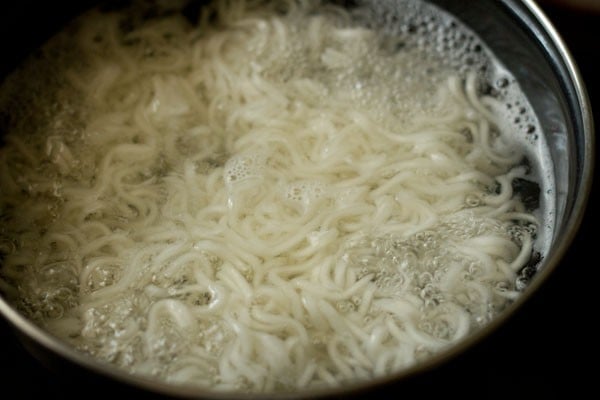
(254,204)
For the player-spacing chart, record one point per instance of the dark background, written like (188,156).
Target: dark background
(547,350)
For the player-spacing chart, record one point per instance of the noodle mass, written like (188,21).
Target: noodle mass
(271,197)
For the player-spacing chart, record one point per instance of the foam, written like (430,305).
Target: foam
(305,195)
(243,167)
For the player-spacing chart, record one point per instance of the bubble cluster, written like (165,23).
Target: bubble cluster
(304,195)
(243,167)
(436,267)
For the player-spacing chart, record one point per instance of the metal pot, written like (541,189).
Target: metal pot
(525,41)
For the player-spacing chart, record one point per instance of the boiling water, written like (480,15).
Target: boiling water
(268,196)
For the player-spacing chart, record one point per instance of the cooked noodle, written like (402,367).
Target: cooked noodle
(262,202)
